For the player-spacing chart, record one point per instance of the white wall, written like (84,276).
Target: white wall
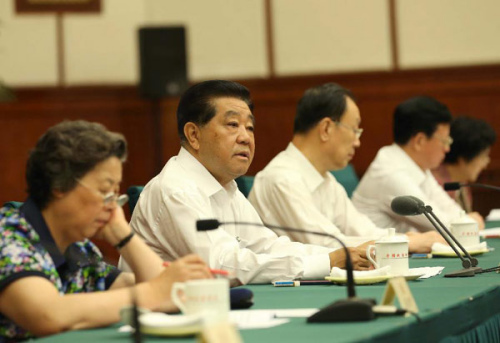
(434,33)
(102,49)
(328,36)
(28,54)
(227,38)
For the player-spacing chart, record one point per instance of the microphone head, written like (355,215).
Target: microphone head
(417,200)
(207,224)
(240,298)
(452,186)
(407,205)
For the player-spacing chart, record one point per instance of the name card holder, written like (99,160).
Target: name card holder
(221,332)
(398,288)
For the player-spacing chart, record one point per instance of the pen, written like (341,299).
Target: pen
(286,283)
(300,283)
(213,271)
(421,255)
(315,282)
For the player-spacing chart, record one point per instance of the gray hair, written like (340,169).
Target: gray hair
(65,153)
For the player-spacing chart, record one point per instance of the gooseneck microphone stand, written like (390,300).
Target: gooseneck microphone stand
(453,186)
(350,309)
(469,264)
(410,206)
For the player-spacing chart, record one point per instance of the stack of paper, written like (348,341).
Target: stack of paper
(494,215)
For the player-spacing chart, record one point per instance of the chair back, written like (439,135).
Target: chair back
(133,193)
(245,184)
(13,204)
(348,178)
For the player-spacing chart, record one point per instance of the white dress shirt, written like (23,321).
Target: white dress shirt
(184,192)
(393,173)
(289,191)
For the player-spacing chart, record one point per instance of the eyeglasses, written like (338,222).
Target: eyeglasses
(357,132)
(448,141)
(109,197)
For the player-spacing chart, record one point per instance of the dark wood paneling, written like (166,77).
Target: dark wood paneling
(474,91)
(84,6)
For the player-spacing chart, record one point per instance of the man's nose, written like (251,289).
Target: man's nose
(243,135)
(357,142)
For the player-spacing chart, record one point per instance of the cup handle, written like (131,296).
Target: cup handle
(176,287)
(369,255)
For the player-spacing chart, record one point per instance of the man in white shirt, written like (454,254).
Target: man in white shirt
(296,189)
(421,140)
(215,125)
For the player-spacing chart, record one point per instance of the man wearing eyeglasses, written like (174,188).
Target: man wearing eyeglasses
(296,188)
(421,140)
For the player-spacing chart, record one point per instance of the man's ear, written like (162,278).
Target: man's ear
(57,194)
(192,133)
(418,141)
(325,127)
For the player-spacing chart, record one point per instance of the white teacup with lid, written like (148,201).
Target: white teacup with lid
(207,297)
(391,250)
(465,229)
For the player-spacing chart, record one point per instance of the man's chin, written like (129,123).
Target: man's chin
(237,172)
(339,166)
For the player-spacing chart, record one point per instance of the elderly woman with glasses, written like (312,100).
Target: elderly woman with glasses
(52,278)
(469,155)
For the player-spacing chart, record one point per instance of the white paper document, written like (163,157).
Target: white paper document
(261,319)
(494,214)
(428,271)
(493,232)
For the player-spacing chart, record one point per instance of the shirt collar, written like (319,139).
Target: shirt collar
(205,181)
(311,176)
(412,168)
(34,216)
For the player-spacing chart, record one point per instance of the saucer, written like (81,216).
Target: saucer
(161,324)
(369,280)
(451,253)
(443,250)
(360,280)
(126,314)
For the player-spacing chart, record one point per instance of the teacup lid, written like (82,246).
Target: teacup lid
(392,237)
(463,218)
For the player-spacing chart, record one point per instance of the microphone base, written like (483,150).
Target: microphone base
(346,310)
(467,272)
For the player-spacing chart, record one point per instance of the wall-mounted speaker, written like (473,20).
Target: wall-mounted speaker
(163,63)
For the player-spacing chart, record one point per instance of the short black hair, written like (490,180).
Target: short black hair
(65,153)
(196,104)
(471,136)
(328,100)
(418,114)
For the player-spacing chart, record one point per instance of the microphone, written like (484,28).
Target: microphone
(240,298)
(410,206)
(350,309)
(407,206)
(136,334)
(453,186)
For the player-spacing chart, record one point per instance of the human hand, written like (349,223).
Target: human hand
(477,217)
(422,242)
(116,228)
(358,258)
(189,267)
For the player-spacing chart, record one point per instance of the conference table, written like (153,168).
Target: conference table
(450,310)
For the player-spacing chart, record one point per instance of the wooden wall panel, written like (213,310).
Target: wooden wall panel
(475,91)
